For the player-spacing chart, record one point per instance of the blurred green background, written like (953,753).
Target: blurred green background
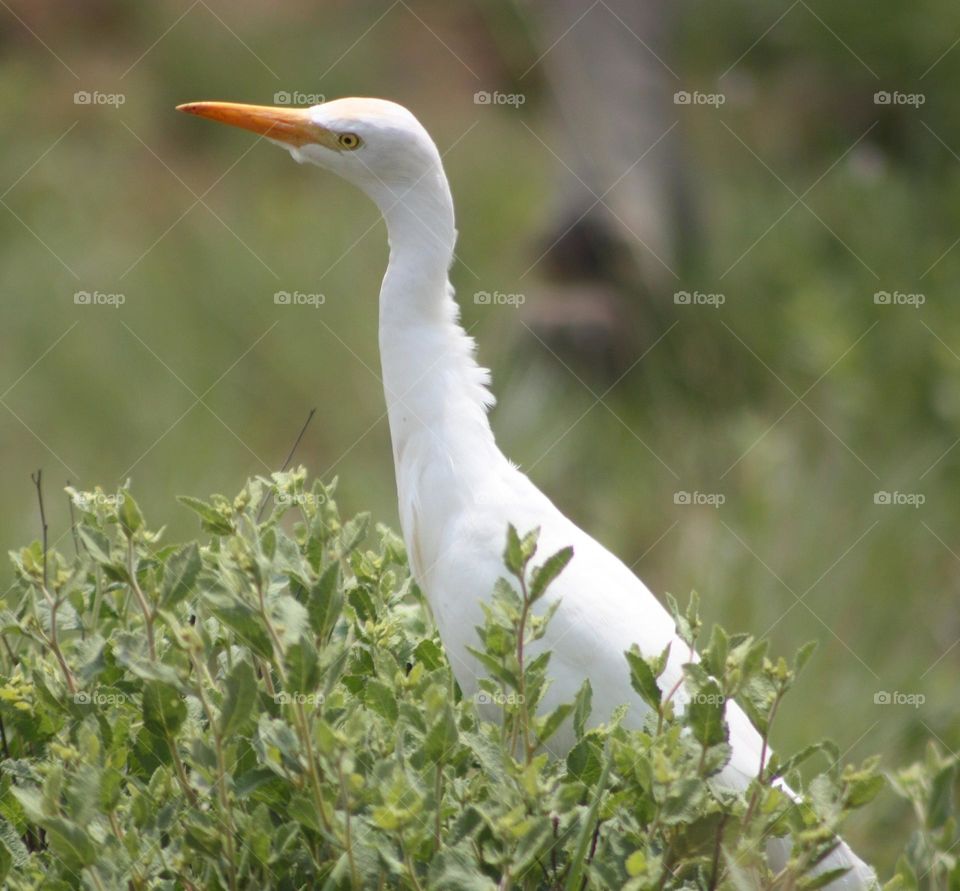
(199,380)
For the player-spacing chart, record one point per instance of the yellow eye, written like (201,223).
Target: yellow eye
(349,141)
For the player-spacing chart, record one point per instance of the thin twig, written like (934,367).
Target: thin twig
(73,525)
(286,464)
(38,482)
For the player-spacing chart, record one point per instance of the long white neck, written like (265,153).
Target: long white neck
(437,396)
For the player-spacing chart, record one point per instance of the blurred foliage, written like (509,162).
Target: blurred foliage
(198,379)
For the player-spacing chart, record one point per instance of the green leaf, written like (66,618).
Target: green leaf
(578,860)
(131,520)
(823,879)
(353,533)
(131,650)
(803,656)
(543,576)
(97,544)
(180,575)
(582,705)
(429,654)
(585,761)
(941,803)
(242,619)
(211,519)
(457,868)
(303,669)
(547,727)
(70,842)
(379,697)
(528,544)
(442,733)
(19,854)
(642,678)
(513,554)
(325,602)
(705,714)
(163,709)
(240,699)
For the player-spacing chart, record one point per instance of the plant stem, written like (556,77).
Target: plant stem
(755,798)
(438,791)
(53,641)
(354,882)
(222,770)
(141,599)
(303,726)
(38,482)
(715,870)
(521,680)
(411,870)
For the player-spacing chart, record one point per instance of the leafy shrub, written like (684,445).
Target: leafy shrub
(273,709)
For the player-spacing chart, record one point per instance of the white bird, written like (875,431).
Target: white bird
(457,491)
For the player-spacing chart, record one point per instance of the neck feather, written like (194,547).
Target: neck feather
(437,395)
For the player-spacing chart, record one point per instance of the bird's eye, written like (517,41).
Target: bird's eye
(349,141)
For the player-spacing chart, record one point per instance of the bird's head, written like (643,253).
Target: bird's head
(377,145)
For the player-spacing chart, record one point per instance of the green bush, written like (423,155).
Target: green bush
(273,709)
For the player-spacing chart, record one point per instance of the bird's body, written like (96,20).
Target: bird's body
(457,491)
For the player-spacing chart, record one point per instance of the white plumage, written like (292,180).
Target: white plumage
(457,492)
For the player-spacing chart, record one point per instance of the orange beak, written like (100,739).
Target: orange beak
(291,126)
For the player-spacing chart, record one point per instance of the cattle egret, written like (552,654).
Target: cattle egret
(457,491)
